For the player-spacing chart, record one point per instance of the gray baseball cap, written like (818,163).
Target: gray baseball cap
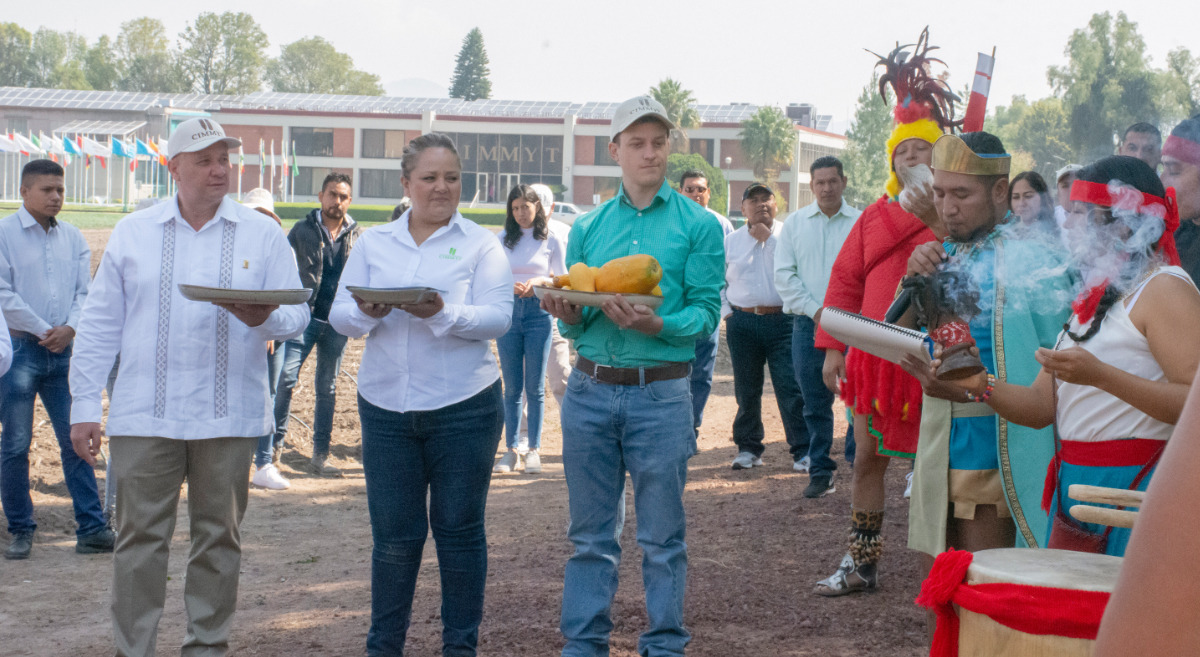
(634,109)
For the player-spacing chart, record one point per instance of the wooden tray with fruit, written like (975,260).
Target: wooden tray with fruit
(634,277)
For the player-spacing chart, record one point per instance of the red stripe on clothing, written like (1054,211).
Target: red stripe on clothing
(1102,454)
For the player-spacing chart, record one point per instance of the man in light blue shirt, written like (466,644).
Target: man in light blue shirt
(808,245)
(45,267)
(694,185)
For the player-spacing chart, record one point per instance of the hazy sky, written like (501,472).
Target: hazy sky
(756,51)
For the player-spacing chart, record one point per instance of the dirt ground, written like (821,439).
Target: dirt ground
(756,547)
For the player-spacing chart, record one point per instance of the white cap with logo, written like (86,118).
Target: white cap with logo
(634,109)
(196,135)
(259,198)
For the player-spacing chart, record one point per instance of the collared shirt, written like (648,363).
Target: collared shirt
(808,246)
(750,270)
(188,369)
(43,274)
(677,232)
(726,224)
(413,364)
(533,258)
(331,267)
(559,228)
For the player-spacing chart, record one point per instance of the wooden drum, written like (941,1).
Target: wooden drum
(980,636)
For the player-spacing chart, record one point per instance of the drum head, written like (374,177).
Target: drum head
(1060,569)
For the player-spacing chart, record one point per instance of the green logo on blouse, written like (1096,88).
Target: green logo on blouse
(452,255)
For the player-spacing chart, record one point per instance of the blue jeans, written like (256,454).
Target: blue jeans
(267,444)
(607,430)
(817,403)
(447,454)
(702,374)
(755,341)
(330,346)
(524,351)
(37,372)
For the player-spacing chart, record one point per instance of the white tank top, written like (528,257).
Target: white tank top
(1089,414)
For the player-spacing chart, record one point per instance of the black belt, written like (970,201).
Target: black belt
(632,376)
(759,310)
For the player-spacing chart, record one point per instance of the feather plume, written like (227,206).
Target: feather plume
(918,94)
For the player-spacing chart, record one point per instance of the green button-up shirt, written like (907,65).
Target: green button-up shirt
(688,243)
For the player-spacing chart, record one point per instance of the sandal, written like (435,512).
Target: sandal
(849,579)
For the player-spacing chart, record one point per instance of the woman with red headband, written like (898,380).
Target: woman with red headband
(1117,380)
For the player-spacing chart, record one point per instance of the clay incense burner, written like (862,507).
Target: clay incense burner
(944,303)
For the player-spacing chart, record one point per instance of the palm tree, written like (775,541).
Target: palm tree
(768,142)
(678,103)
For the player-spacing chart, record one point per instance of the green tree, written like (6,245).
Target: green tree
(1183,74)
(100,65)
(56,60)
(470,81)
(145,60)
(677,163)
(865,158)
(224,54)
(678,103)
(314,66)
(1108,84)
(768,141)
(1044,132)
(14,55)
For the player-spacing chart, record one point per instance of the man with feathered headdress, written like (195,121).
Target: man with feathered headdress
(885,400)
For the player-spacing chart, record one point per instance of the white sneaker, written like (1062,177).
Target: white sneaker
(508,462)
(523,444)
(802,465)
(746,460)
(908,488)
(533,463)
(268,477)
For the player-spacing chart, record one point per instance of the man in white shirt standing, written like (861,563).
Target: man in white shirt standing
(191,397)
(808,245)
(694,185)
(757,330)
(45,266)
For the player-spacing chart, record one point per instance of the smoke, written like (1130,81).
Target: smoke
(1044,271)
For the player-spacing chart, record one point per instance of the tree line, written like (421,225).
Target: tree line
(216,54)
(1108,83)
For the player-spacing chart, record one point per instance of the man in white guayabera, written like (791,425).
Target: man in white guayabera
(191,396)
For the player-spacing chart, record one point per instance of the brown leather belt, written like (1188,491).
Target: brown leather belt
(23,335)
(631,376)
(760,310)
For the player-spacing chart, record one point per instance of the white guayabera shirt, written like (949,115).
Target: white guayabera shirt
(189,369)
(413,364)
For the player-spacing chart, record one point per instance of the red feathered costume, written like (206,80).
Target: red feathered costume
(864,280)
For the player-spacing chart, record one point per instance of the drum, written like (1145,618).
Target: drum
(980,636)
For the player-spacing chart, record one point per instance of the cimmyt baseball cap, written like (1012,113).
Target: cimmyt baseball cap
(1070,168)
(196,135)
(634,109)
(259,198)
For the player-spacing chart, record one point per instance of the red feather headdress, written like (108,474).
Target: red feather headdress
(918,94)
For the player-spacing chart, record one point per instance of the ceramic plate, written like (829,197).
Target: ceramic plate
(394,296)
(254,297)
(594,299)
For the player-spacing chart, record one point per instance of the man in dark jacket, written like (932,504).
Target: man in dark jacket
(322,242)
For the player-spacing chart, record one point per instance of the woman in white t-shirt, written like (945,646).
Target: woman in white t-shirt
(535,254)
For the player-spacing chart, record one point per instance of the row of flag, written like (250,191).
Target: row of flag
(66,147)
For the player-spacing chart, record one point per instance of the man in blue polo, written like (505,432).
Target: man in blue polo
(628,404)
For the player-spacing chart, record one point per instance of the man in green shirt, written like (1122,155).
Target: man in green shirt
(628,403)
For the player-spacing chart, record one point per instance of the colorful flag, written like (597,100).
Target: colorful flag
(8,146)
(272,162)
(977,106)
(70,148)
(143,148)
(22,143)
(36,141)
(121,149)
(295,167)
(241,160)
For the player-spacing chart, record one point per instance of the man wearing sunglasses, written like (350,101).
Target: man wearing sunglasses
(694,185)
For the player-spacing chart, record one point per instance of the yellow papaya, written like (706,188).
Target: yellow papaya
(657,291)
(635,274)
(582,278)
(562,280)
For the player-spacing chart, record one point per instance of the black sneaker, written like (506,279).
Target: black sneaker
(820,486)
(96,543)
(20,547)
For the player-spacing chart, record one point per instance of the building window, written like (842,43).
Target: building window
(308,180)
(313,142)
(810,153)
(606,187)
(494,164)
(602,158)
(380,183)
(18,125)
(804,195)
(703,148)
(387,144)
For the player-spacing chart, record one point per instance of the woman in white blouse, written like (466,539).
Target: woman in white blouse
(429,396)
(535,254)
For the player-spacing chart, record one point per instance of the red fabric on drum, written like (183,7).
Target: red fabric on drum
(1029,609)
